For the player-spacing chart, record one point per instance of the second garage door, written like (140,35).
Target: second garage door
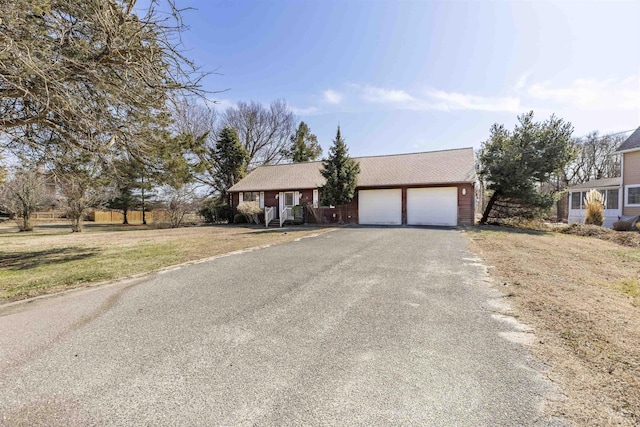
(380,207)
(432,206)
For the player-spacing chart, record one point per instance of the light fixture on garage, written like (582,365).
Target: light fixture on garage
(464,191)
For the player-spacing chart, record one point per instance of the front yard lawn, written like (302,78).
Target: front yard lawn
(582,296)
(51,258)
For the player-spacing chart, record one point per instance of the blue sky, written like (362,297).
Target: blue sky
(404,76)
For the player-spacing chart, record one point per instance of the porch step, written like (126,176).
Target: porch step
(276,223)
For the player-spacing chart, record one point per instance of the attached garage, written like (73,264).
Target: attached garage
(432,206)
(380,207)
(430,188)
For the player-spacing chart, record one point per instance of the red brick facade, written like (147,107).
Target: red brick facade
(466,204)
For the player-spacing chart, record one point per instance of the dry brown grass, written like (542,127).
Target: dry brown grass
(582,296)
(53,259)
(625,238)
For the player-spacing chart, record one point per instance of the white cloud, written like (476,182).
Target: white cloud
(332,97)
(380,95)
(434,99)
(303,111)
(591,94)
(522,81)
(447,101)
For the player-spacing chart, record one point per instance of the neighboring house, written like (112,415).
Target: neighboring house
(610,188)
(630,151)
(430,188)
(622,195)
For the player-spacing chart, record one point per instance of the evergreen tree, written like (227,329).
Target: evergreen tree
(230,160)
(515,164)
(304,145)
(125,201)
(93,75)
(341,174)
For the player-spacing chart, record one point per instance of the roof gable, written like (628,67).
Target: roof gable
(427,168)
(631,143)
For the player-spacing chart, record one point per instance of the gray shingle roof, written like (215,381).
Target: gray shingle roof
(632,142)
(428,168)
(597,183)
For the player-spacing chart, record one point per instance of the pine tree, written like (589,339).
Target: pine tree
(341,174)
(515,164)
(127,173)
(304,145)
(230,159)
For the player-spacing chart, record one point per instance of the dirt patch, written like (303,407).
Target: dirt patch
(582,297)
(625,238)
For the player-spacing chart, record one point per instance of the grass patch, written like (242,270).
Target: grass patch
(582,296)
(53,259)
(629,287)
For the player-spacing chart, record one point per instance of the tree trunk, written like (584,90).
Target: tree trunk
(26,223)
(76,225)
(487,210)
(125,221)
(144,217)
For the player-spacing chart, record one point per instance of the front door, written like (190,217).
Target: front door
(289,198)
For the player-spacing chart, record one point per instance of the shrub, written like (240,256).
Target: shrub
(239,219)
(298,214)
(250,210)
(213,211)
(594,202)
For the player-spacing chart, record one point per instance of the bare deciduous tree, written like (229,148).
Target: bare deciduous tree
(78,177)
(178,202)
(596,158)
(23,195)
(194,118)
(264,132)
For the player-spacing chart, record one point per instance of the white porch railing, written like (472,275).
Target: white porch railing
(285,215)
(269,215)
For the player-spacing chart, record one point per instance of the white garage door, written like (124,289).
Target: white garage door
(380,207)
(432,206)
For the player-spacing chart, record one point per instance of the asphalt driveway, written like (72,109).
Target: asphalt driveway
(361,326)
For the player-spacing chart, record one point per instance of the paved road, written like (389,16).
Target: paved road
(361,326)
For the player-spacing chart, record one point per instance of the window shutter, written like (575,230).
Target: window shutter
(240,196)
(296,198)
(315,198)
(262,199)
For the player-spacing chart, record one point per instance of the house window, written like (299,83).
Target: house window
(288,199)
(251,196)
(612,199)
(633,196)
(576,200)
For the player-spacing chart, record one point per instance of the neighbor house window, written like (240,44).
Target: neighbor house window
(612,199)
(251,196)
(576,200)
(633,195)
